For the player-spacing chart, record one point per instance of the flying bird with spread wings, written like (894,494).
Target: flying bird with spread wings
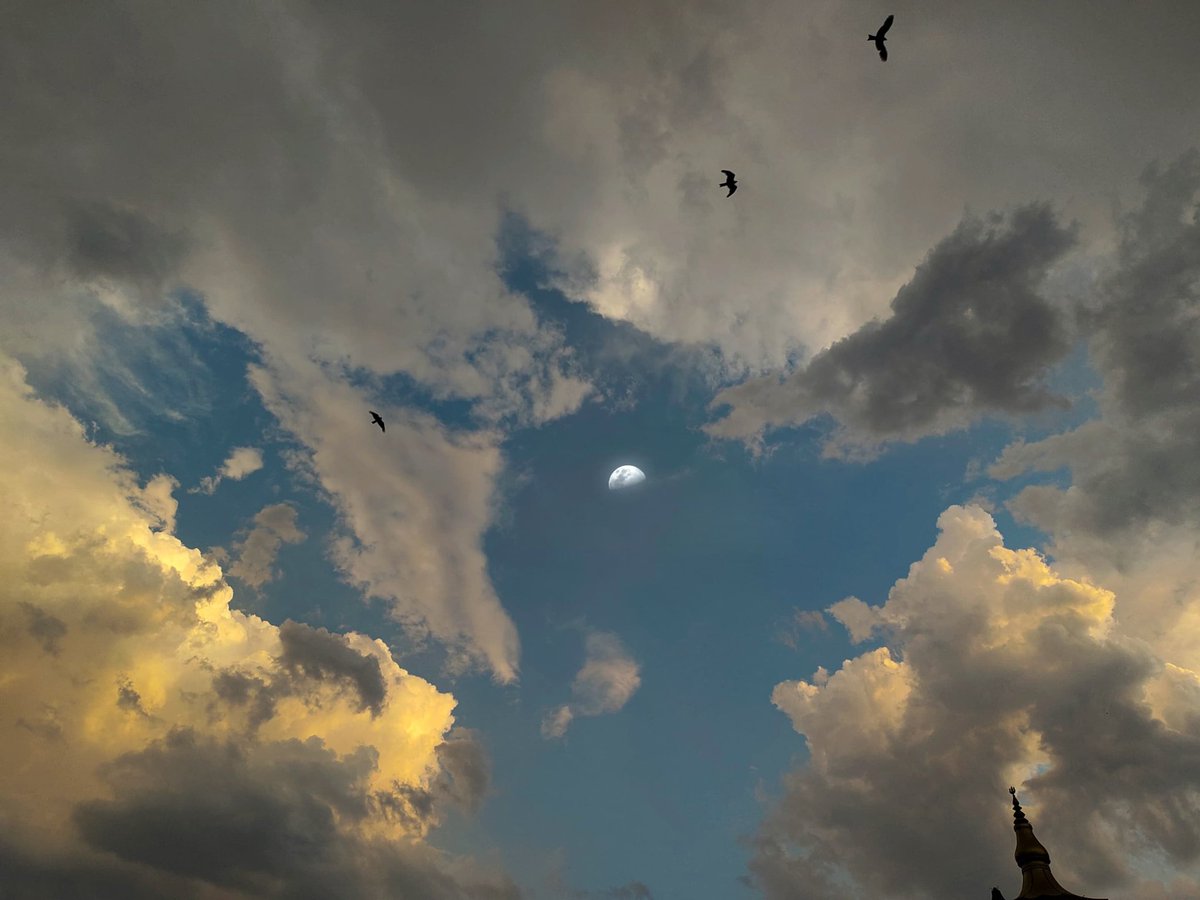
(376,420)
(878,37)
(729,182)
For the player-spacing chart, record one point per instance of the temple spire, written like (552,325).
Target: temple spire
(1037,881)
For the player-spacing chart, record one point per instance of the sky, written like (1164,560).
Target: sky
(917,409)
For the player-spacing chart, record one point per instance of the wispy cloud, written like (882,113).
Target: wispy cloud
(414,504)
(242,461)
(608,678)
(254,556)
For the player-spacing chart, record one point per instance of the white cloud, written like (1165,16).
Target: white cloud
(242,461)
(608,678)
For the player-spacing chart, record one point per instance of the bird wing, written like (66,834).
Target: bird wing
(727,173)
(882,52)
(382,427)
(732,188)
(887,23)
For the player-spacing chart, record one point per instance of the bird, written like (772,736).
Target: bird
(376,420)
(879,38)
(729,182)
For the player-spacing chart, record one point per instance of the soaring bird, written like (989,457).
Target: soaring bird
(375,419)
(879,38)
(729,182)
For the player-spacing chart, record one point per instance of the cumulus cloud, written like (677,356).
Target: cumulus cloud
(242,461)
(136,755)
(254,556)
(608,678)
(996,669)
(969,335)
(414,503)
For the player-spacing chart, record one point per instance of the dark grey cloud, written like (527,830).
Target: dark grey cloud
(1140,461)
(307,653)
(256,695)
(633,890)
(194,809)
(271,819)
(463,780)
(320,654)
(466,770)
(32,875)
(105,242)
(969,335)
(128,697)
(47,629)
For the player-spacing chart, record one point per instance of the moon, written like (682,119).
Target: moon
(625,476)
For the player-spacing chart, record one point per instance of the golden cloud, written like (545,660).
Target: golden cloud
(119,647)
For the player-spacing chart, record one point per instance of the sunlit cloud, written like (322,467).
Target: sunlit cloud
(138,704)
(996,669)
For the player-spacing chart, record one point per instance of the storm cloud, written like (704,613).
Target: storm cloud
(969,335)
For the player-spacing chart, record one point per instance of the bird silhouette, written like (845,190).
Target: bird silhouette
(375,419)
(996,895)
(878,37)
(729,182)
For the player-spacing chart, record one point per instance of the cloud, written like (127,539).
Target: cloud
(311,216)
(608,678)
(255,556)
(414,503)
(321,654)
(969,335)
(115,246)
(556,722)
(242,461)
(1139,463)
(136,754)
(633,890)
(466,769)
(314,217)
(802,622)
(202,207)
(996,669)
